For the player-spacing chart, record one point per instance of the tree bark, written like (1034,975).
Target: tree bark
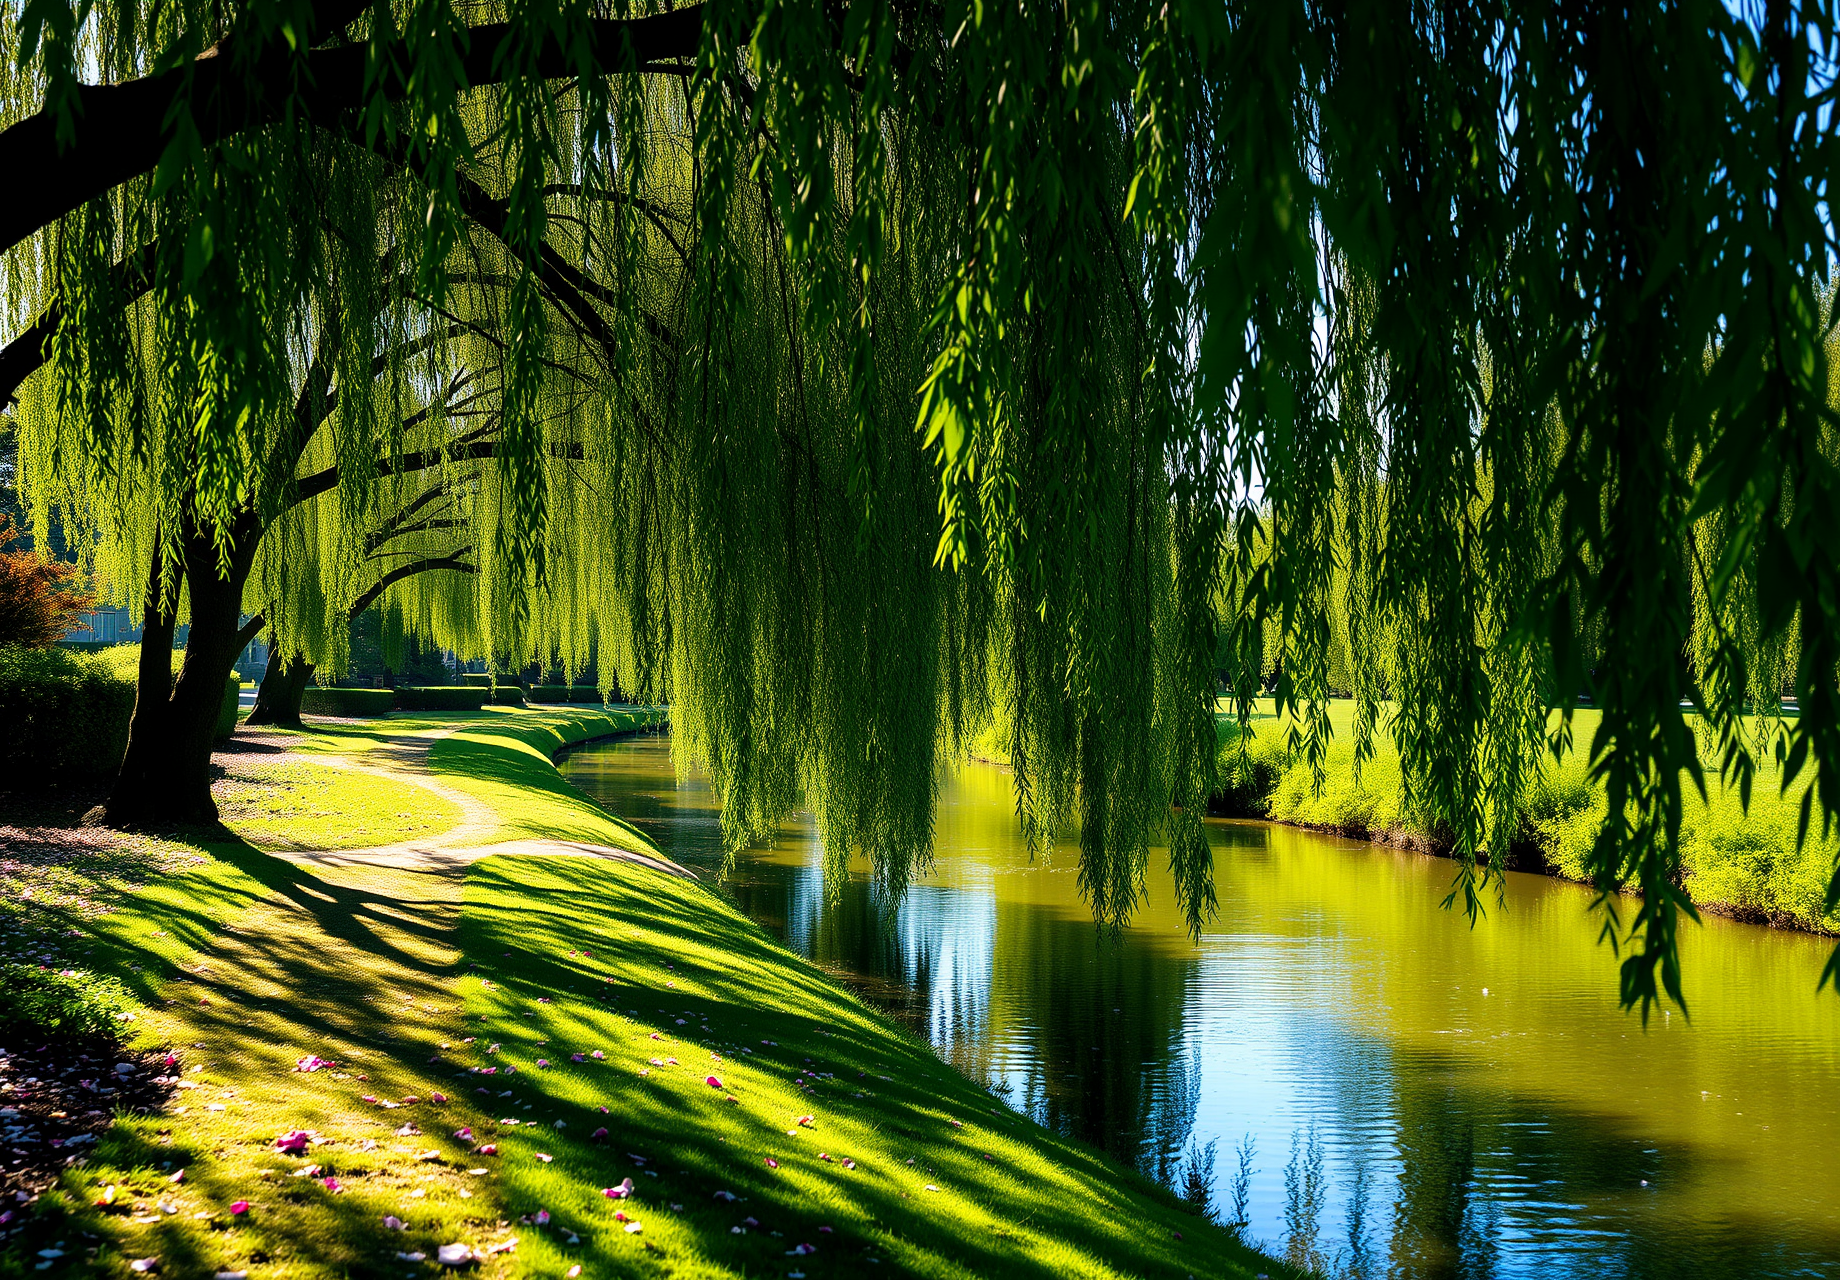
(165,778)
(283,685)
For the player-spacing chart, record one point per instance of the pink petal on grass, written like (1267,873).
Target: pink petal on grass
(542,1217)
(597,1055)
(394,1223)
(620,1192)
(772,1163)
(597,1135)
(464,1135)
(292,1143)
(805,1122)
(437,1097)
(545,1158)
(454,1255)
(576,1057)
(572,1272)
(144,1264)
(542,1062)
(489,1149)
(239,1208)
(332,1185)
(714,1083)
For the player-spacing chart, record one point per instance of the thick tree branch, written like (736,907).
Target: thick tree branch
(409,463)
(396,575)
(21,358)
(122,130)
(249,631)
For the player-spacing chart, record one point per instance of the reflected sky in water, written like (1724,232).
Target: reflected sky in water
(1422,1099)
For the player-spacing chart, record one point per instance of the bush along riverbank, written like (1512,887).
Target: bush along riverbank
(1745,866)
(525,1044)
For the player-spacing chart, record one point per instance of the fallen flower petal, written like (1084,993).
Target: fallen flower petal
(437,1097)
(332,1185)
(144,1264)
(293,1143)
(623,1190)
(454,1255)
(464,1135)
(239,1208)
(394,1223)
(545,1158)
(542,1217)
(634,1228)
(772,1163)
(714,1083)
(489,1149)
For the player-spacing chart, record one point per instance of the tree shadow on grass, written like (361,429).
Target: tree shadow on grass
(1011,1199)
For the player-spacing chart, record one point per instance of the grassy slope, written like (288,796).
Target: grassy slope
(248,962)
(1743,864)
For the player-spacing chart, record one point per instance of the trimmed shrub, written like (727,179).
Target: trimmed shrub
(65,713)
(508,695)
(480,678)
(65,1001)
(233,702)
(565,693)
(442,698)
(346,702)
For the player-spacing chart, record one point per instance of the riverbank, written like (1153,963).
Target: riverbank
(1745,866)
(477,1046)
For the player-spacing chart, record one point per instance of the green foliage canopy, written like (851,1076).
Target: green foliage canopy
(858,374)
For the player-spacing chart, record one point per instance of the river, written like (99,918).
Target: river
(1420,1098)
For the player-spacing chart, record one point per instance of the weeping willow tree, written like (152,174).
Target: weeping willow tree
(861,375)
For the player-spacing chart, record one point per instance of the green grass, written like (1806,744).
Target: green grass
(308,806)
(246,962)
(1737,863)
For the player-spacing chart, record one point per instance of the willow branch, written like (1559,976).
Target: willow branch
(120,131)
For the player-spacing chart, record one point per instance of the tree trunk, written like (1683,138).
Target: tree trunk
(283,685)
(165,778)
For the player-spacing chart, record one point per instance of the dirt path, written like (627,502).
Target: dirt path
(405,758)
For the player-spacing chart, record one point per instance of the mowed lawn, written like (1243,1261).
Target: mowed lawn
(492,1050)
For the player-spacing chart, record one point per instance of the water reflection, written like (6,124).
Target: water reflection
(1422,1100)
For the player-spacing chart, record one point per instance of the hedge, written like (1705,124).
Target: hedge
(346,702)
(508,695)
(564,693)
(472,678)
(442,698)
(64,712)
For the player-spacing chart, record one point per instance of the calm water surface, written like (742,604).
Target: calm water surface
(1422,1099)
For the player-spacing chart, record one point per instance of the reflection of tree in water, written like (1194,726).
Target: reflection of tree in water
(1110,1064)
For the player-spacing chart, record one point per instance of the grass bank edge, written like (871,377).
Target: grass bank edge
(1013,1197)
(1744,866)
